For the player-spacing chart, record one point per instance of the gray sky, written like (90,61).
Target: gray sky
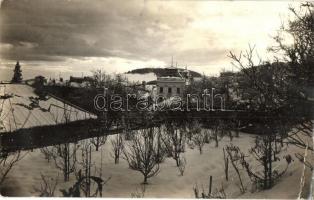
(79,35)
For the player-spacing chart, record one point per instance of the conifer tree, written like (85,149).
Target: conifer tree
(17,76)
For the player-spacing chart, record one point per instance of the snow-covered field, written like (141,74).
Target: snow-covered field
(168,183)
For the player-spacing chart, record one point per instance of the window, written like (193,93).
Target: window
(169,90)
(178,91)
(161,90)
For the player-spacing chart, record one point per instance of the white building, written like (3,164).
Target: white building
(173,82)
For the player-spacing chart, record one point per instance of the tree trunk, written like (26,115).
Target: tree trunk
(216,140)
(97,144)
(226,161)
(145,179)
(177,159)
(270,163)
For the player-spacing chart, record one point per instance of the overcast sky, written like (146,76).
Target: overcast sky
(80,35)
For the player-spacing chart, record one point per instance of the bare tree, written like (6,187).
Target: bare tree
(166,143)
(299,56)
(237,125)
(64,156)
(303,160)
(234,156)
(219,193)
(75,190)
(139,193)
(265,152)
(88,181)
(47,186)
(226,164)
(219,130)
(161,147)
(215,133)
(284,85)
(47,154)
(182,163)
(98,141)
(7,162)
(141,152)
(174,141)
(198,139)
(207,137)
(117,147)
(86,165)
(298,52)
(279,88)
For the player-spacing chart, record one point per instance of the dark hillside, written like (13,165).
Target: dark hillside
(158,71)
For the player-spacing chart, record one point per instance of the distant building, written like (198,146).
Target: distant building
(170,86)
(80,81)
(173,82)
(40,81)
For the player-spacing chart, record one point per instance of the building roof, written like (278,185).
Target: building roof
(20,108)
(170,78)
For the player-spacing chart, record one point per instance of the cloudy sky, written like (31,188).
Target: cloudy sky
(74,36)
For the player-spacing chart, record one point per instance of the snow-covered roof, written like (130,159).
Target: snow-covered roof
(20,108)
(170,79)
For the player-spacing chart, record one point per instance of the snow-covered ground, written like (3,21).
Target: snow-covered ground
(168,183)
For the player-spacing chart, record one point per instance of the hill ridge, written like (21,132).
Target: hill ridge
(159,71)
